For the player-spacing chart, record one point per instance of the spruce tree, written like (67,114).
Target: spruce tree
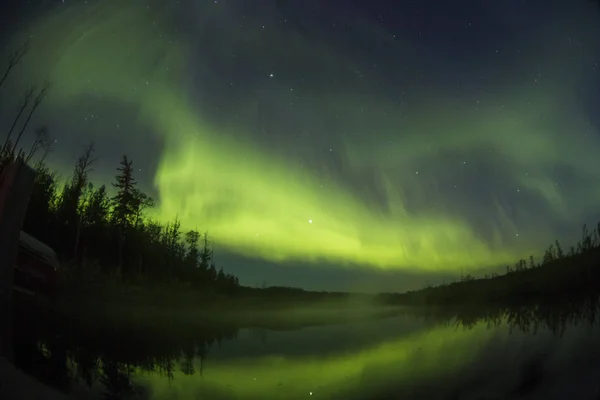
(124,205)
(124,201)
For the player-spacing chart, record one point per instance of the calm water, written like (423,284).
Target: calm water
(529,353)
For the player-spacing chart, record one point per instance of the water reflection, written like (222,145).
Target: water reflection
(554,316)
(535,351)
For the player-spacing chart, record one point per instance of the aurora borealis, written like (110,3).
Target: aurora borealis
(414,138)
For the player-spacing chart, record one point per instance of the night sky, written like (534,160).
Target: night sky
(341,145)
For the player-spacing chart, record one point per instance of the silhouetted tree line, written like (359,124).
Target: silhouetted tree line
(62,352)
(89,228)
(559,275)
(286,294)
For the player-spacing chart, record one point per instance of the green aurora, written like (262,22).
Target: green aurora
(265,204)
(430,354)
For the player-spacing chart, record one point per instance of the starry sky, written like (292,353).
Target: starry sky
(339,145)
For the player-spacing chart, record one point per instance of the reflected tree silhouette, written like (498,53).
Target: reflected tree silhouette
(62,352)
(113,356)
(116,378)
(555,316)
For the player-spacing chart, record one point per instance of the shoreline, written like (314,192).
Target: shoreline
(16,384)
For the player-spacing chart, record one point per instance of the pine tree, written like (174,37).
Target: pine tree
(96,210)
(559,251)
(206,253)
(192,238)
(125,201)
(125,204)
(72,191)
(69,212)
(142,202)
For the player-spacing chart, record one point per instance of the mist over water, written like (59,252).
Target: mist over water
(528,352)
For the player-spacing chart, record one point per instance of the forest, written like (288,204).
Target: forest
(91,230)
(560,276)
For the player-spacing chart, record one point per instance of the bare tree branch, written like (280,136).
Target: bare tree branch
(24,103)
(36,103)
(41,141)
(84,166)
(47,151)
(14,59)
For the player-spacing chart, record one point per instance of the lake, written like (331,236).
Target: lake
(550,352)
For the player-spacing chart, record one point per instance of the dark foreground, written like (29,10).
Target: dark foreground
(15,384)
(547,351)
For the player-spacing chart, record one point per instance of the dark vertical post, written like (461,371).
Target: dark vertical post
(16,184)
